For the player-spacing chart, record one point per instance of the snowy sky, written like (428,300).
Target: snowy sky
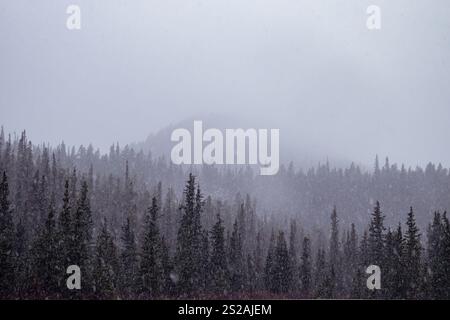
(308,67)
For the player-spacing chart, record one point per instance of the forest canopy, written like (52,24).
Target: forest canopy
(141,227)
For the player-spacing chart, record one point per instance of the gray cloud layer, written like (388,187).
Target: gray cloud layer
(310,68)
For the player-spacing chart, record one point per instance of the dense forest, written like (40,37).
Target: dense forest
(141,228)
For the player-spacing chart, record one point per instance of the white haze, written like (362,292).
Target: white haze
(310,68)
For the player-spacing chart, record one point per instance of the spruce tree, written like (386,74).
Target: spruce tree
(305,268)
(259,263)
(105,271)
(376,238)
(359,288)
(66,232)
(412,258)
(236,259)
(82,238)
(129,275)
(434,252)
(269,269)
(189,239)
(334,239)
(350,262)
(22,262)
(242,228)
(282,269)
(38,203)
(334,252)
(46,259)
(205,263)
(170,218)
(167,267)
(6,241)
(250,280)
(293,256)
(393,272)
(2,143)
(151,269)
(398,280)
(446,256)
(218,258)
(320,275)
(438,253)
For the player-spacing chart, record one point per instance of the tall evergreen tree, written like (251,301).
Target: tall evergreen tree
(151,256)
(66,232)
(350,263)
(446,256)
(334,239)
(306,268)
(129,275)
(293,256)
(376,237)
(435,252)
(259,263)
(359,289)
(269,269)
(282,268)
(167,267)
(6,241)
(250,279)
(82,238)
(412,257)
(189,239)
(205,262)
(218,258)
(38,203)
(105,273)
(320,275)
(393,285)
(170,218)
(22,262)
(334,252)
(236,259)
(46,259)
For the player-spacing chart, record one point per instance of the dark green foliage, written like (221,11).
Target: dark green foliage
(106,267)
(189,240)
(81,247)
(293,257)
(66,231)
(151,269)
(236,260)
(334,239)
(129,273)
(52,211)
(218,261)
(321,275)
(376,237)
(306,268)
(412,259)
(335,254)
(350,263)
(46,267)
(269,269)
(281,268)
(6,240)
(394,269)
(445,289)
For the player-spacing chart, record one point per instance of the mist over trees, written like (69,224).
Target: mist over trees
(141,227)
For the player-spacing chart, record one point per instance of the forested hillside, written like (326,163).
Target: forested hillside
(141,227)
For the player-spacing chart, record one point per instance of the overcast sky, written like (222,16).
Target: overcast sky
(310,68)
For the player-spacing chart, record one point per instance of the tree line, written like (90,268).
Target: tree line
(307,194)
(133,241)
